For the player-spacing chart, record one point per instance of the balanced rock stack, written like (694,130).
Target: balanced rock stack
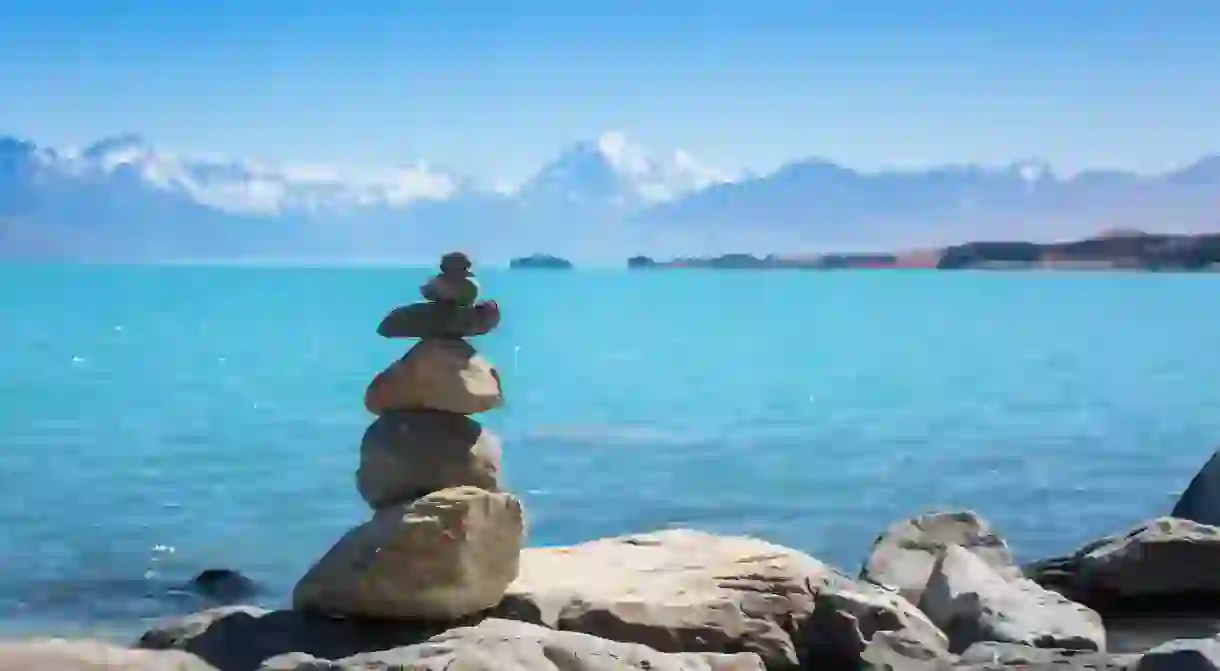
(444,539)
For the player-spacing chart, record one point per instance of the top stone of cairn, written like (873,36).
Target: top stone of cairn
(455,284)
(452,310)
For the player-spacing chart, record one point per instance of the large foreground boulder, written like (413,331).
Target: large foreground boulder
(1164,565)
(447,555)
(504,645)
(440,320)
(88,655)
(971,603)
(1201,500)
(681,590)
(408,454)
(446,375)
(903,556)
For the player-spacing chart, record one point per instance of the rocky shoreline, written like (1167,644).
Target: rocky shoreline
(440,577)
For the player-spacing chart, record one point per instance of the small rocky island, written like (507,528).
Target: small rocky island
(439,578)
(540,261)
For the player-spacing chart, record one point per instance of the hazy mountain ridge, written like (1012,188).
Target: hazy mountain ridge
(122,199)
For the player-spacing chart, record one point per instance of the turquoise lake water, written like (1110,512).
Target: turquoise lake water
(158,421)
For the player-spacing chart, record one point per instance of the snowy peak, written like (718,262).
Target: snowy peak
(248,187)
(612,170)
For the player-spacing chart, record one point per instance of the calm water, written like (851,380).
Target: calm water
(157,421)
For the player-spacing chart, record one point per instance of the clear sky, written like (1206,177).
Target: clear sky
(494,89)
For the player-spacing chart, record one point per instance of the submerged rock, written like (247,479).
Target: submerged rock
(903,556)
(222,584)
(683,590)
(442,557)
(446,375)
(407,454)
(440,320)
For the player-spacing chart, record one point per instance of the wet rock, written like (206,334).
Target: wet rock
(223,585)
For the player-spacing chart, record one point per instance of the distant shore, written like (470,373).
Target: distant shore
(1124,250)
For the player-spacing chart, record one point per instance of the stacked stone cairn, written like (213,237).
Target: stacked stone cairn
(444,539)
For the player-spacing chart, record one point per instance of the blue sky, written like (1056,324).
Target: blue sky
(496,88)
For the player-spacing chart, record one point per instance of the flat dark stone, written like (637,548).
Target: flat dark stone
(440,320)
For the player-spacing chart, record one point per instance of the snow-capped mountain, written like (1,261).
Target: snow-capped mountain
(612,171)
(259,188)
(123,198)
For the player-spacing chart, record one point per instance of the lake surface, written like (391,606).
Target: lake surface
(158,421)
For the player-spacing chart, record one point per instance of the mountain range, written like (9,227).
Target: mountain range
(122,199)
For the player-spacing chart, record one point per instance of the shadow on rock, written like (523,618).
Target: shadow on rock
(241,638)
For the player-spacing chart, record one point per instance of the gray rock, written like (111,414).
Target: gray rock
(681,590)
(992,655)
(1201,500)
(504,645)
(89,655)
(223,585)
(898,651)
(971,603)
(1200,654)
(440,320)
(458,290)
(1165,565)
(903,556)
(241,638)
(445,556)
(407,454)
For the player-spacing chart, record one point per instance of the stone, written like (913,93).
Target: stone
(56,654)
(1163,565)
(456,264)
(446,375)
(993,655)
(223,585)
(1201,500)
(503,645)
(1201,654)
(447,555)
(451,289)
(970,602)
(898,651)
(681,590)
(903,556)
(440,320)
(242,638)
(407,454)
